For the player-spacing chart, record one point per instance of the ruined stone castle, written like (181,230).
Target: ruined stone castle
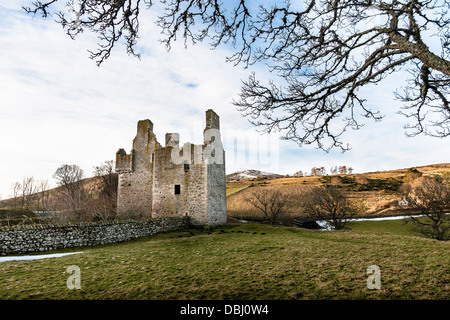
(172,181)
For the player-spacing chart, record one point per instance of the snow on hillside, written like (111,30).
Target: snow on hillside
(249,174)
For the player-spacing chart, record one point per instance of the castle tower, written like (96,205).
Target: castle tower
(134,194)
(214,160)
(168,181)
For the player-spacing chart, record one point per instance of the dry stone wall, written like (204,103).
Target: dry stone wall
(21,239)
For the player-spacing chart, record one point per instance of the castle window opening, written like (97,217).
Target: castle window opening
(177,189)
(186,166)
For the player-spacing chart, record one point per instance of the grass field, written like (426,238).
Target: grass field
(248,262)
(390,227)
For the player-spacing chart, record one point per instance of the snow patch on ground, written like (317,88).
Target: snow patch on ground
(36,257)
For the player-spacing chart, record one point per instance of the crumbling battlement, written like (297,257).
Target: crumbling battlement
(172,181)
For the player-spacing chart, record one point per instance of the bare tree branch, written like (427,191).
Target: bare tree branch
(271,203)
(329,204)
(430,196)
(70,178)
(320,54)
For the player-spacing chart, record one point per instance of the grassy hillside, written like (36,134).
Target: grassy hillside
(250,261)
(377,191)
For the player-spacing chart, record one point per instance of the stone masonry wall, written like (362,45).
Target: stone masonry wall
(191,201)
(173,181)
(44,238)
(217,195)
(136,172)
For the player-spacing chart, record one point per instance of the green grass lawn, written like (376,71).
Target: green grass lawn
(248,262)
(385,226)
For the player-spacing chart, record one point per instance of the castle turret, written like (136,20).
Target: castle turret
(212,120)
(123,161)
(144,132)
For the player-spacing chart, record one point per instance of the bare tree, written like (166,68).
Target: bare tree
(42,195)
(318,171)
(107,187)
(17,186)
(271,203)
(430,196)
(69,177)
(298,174)
(30,194)
(321,53)
(333,170)
(29,188)
(343,169)
(329,204)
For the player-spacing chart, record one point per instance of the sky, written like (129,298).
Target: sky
(58,107)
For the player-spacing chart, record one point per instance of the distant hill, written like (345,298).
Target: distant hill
(250,174)
(378,192)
